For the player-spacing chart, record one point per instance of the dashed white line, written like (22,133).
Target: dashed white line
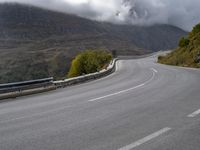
(123,91)
(194,114)
(154,70)
(95,99)
(126,90)
(145,139)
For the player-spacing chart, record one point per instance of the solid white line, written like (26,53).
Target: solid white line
(145,139)
(194,114)
(126,90)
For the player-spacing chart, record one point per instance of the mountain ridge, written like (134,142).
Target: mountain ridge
(33,38)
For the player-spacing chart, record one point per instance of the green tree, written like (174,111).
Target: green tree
(75,69)
(89,61)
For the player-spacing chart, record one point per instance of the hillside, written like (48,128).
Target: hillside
(37,43)
(188,52)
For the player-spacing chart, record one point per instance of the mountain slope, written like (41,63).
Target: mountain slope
(188,52)
(37,43)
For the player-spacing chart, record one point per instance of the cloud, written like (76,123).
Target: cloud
(181,13)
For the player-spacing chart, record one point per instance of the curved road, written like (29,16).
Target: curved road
(142,106)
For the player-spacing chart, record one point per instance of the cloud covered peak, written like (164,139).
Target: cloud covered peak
(181,13)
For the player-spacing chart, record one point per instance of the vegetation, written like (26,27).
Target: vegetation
(188,52)
(89,61)
(184,42)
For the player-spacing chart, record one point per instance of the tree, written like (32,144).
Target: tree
(75,69)
(89,61)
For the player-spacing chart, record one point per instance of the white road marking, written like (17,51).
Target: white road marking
(126,90)
(154,70)
(145,139)
(194,114)
(95,99)
(70,106)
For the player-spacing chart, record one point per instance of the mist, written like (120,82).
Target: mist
(180,13)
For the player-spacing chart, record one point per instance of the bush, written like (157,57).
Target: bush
(160,58)
(196,29)
(184,42)
(89,61)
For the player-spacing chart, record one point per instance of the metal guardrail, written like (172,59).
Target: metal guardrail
(12,90)
(24,83)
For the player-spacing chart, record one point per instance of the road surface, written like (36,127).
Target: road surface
(142,106)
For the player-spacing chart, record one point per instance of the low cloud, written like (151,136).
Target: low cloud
(180,13)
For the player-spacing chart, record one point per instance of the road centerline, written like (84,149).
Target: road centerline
(154,70)
(126,90)
(194,114)
(145,139)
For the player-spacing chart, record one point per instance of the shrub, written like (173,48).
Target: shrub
(75,69)
(184,42)
(160,58)
(89,61)
(196,29)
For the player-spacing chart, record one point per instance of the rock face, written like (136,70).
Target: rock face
(37,43)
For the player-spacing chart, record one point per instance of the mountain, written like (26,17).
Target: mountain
(37,43)
(188,52)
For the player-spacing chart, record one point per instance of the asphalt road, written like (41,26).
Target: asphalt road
(142,106)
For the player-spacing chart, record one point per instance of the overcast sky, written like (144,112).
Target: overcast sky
(181,13)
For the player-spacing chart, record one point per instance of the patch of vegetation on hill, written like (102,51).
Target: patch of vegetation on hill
(188,52)
(89,61)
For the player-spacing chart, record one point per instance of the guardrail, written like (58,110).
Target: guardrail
(10,87)
(13,90)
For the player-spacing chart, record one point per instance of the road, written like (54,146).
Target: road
(142,106)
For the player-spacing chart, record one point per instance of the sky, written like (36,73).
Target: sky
(181,13)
